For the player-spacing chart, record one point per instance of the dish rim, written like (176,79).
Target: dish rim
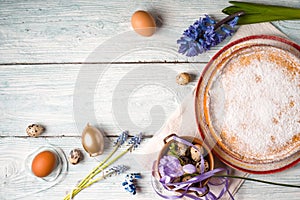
(197,91)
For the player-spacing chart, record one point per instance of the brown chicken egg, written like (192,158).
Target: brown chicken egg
(44,163)
(143,23)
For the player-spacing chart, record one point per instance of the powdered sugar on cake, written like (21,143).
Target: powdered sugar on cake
(254,104)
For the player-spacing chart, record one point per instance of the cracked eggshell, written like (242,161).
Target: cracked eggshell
(92,140)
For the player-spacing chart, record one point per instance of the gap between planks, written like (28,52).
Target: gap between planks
(96,63)
(65,136)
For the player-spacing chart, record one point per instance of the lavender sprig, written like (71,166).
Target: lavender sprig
(206,33)
(88,180)
(115,170)
(134,144)
(135,141)
(119,169)
(121,139)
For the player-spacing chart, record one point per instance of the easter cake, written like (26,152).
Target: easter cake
(252,104)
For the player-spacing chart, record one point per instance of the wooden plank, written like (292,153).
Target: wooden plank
(88,31)
(59,32)
(291,28)
(15,150)
(112,96)
(253,190)
(16,180)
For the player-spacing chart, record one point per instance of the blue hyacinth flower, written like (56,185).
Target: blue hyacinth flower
(204,34)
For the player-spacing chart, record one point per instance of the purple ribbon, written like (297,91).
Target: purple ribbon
(186,186)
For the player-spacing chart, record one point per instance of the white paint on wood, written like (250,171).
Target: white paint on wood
(15,180)
(99,31)
(59,31)
(45,94)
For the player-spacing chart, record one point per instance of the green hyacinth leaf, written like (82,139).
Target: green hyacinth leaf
(256,13)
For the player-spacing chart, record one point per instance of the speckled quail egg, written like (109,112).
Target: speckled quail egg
(183,78)
(75,156)
(34,130)
(196,153)
(181,149)
(186,178)
(199,169)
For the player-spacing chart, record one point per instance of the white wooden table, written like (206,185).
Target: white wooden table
(45,49)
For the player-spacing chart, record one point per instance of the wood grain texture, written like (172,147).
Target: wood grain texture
(16,150)
(46,51)
(45,94)
(63,31)
(17,182)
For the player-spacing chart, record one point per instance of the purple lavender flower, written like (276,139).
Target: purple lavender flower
(117,169)
(136,140)
(202,35)
(122,138)
(169,166)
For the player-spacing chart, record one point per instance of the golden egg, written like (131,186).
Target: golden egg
(143,23)
(92,140)
(44,163)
